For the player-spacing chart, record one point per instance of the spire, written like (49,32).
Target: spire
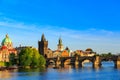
(43,38)
(60,41)
(60,45)
(7,36)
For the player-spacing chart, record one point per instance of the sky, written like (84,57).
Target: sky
(81,24)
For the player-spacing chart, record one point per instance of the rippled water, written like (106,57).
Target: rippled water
(107,72)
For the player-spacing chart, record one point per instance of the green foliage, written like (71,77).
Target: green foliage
(106,54)
(7,64)
(31,57)
(12,59)
(2,64)
(42,60)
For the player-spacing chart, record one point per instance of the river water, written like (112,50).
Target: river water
(106,72)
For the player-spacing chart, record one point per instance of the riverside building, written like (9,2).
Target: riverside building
(6,49)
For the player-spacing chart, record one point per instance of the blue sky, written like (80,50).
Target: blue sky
(81,23)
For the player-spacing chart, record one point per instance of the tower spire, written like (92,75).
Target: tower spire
(43,38)
(60,41)
(60,45)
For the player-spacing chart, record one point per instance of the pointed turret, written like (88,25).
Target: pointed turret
(60,45)
(60,41)
(43,38)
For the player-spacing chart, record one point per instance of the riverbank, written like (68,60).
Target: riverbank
(8,68)
(20,67)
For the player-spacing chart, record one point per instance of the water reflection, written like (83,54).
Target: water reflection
(68,72)
(41,69)
(7,73)
(107,64)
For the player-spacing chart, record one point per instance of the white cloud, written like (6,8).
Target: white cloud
(12,24)
(107,32)
(87,38)
(90,34)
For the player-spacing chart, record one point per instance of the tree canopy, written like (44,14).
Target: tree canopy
(106,54)
(31,57)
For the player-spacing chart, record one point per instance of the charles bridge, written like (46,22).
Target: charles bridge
(77,60)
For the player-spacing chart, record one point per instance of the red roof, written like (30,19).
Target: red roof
(12,50)
(3,47)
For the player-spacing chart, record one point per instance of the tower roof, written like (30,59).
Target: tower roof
(6,40)
(89,49)
(43,38)
(60,41)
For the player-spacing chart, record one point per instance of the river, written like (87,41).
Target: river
(106,72)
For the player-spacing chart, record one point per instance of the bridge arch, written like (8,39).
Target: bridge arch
(67,61)
(111,61)
(95,60)
(108,63)
(91,62)
(51,61)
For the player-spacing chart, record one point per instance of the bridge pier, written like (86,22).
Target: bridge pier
(77,62)
(117,64)
(58,62)
(97,62)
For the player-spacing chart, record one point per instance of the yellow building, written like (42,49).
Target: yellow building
(87,52)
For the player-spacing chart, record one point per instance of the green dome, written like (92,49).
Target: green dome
(6,40)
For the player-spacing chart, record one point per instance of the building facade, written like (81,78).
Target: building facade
(6,49)
(87,52)
(60,51)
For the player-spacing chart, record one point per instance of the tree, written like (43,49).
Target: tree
(2,64)
(42,60)
(31,57)
(106,54)
(12,59)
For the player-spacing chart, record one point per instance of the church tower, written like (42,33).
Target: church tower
(60,45)
(43,46)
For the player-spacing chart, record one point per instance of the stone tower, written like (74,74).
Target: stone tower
(60,45)
(43,46)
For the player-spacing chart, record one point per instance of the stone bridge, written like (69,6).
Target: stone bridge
(77,61)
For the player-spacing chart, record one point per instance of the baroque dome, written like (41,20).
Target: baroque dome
(6,40)
(89,49)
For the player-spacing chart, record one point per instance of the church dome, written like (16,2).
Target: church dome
(6,40)
(89,49)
